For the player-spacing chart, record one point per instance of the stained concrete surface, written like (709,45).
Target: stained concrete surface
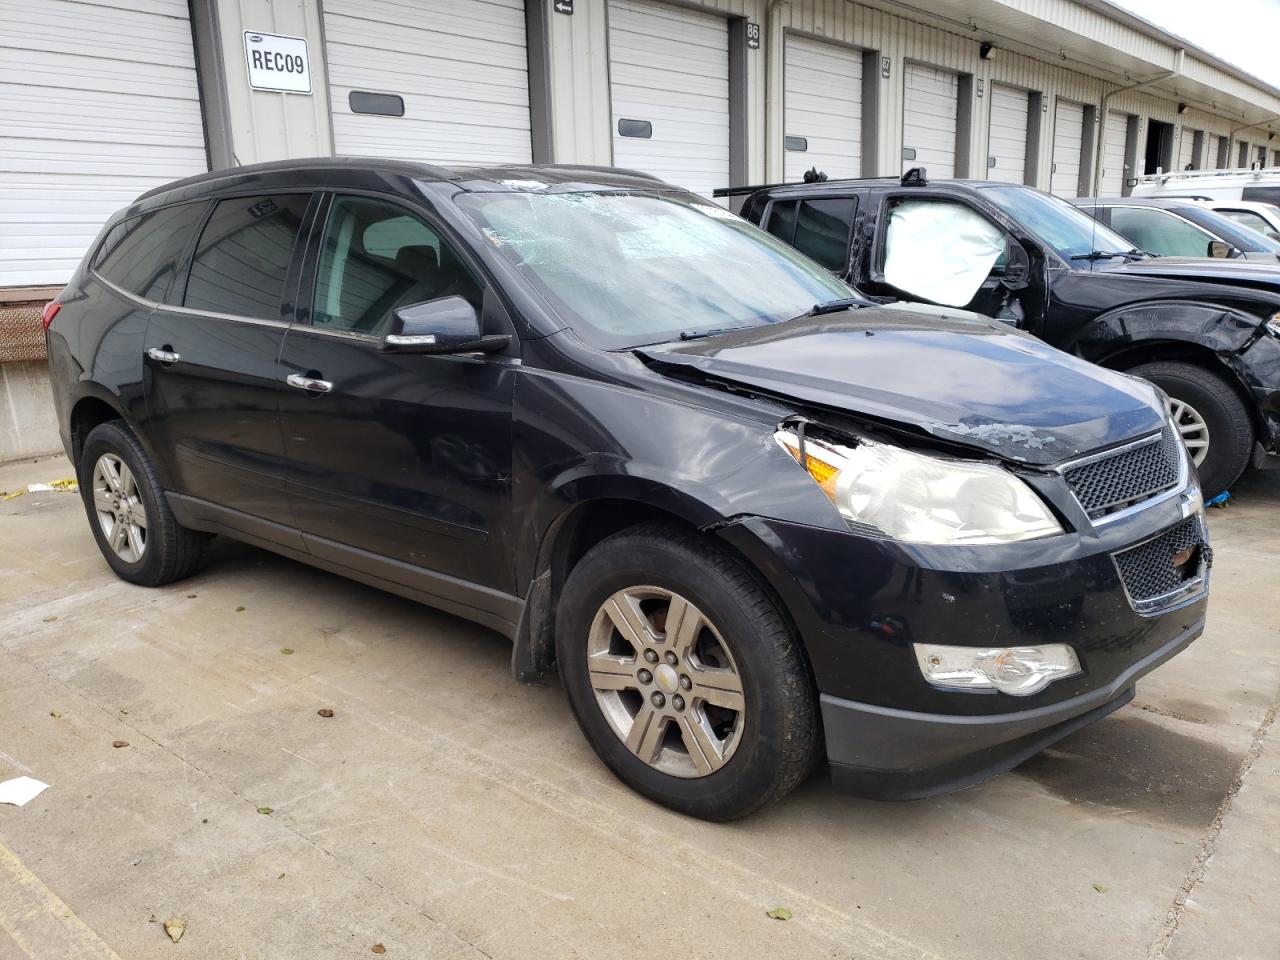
(445,811)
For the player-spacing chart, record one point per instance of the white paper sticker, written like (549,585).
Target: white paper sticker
(277,63)
(21,790)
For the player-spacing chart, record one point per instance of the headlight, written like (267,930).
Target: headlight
(1273,325)
(1020,671)
(921,499)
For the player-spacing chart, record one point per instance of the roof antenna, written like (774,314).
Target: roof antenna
(814,175)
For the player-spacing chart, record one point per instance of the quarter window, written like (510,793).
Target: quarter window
(1156,231)
(378,257)
(141,254)
(243,256)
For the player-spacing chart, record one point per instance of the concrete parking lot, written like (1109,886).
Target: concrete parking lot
(445,811)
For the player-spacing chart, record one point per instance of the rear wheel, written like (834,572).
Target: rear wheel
(684,675)
(1211,418)
(135,529)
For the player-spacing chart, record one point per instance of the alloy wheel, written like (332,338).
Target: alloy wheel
(666,682)
(118,503)
(1192,427)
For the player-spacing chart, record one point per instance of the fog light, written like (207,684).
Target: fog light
(1019,671)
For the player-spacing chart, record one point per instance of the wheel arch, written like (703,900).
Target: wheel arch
(95,406)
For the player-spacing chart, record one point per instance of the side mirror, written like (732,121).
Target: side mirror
(1017,272)
(444,325)
(1219,249)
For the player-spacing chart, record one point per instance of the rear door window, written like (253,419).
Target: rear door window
(243,256)
(141,254)
(782,220)
(1161,232)
(822,230)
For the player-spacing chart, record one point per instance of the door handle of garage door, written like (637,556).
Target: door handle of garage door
(310,384)
(163,354)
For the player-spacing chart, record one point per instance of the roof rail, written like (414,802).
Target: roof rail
(813,175)
(1204,174)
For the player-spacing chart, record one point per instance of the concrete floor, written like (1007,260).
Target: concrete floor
(444,811)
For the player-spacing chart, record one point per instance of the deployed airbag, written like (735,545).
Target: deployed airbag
(940,250)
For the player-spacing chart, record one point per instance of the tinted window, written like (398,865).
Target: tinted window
(243,255)
(1159,232)
(822,230)
(141,254)
(377,257)
(782,220)
(1262,194)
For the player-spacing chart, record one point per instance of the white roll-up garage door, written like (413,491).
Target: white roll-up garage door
(462,70)
(1186,150)
(823,84)
(1211,152)
(929,119)
(1008,143)
(1111,181)
(669,87)
(1068,145)
(99,104)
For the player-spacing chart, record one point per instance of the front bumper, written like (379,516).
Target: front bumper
(860,604)
(891,754)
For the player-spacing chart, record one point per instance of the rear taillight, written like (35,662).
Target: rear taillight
(49,312)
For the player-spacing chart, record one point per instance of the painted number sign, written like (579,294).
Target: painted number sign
(277,63)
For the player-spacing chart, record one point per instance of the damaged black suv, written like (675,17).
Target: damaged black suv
(1206,331)
(748,516)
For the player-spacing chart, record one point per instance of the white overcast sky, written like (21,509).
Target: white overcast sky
(1245,33)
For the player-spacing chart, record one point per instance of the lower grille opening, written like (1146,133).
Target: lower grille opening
(1166,563)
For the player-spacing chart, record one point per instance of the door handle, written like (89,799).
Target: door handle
(310,384)
(163,354)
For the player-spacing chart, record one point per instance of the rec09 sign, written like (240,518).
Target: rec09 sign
(277,63)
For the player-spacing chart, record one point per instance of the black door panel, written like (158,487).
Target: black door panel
(213,363)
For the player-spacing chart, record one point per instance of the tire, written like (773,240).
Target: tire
(743,757)
(1208,396)
(163,551)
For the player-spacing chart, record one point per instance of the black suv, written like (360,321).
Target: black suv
(744,512)
(1206,331)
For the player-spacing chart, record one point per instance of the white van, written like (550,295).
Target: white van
(1261,185)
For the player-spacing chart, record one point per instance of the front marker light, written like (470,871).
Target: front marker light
(893,492)
(1019,671)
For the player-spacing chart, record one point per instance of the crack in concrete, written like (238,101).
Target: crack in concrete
(1208,843)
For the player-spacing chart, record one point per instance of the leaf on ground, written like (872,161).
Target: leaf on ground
(49,619)
(119,743)
(779,913)
(239,609)
(191,596)
(56,714)
(69,485)
(325,712)
(175,928)
(265,810)
(1100,887)
(377,948)
(287,651)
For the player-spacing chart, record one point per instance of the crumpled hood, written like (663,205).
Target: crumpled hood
(976,382)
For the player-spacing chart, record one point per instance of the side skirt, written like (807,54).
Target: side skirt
(491,608)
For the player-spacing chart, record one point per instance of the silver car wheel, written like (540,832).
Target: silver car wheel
(1194,431)
(665,681)
(118,503)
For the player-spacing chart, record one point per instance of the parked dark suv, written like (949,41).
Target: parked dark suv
(742,510)
(1205,331)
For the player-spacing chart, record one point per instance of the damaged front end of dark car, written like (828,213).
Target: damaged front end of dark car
(1001,564)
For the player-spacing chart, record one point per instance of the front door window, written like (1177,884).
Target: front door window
(940,250)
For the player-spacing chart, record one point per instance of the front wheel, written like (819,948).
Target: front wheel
(1211,418)
(684,675)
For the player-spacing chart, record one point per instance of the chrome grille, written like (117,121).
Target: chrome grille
(1147,570)
(1111,483)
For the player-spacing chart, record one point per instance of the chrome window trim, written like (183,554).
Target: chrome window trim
(1179,486)
(188,311)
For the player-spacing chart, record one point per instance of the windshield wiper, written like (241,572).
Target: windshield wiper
(835,306)
(1134,254)
(712,332)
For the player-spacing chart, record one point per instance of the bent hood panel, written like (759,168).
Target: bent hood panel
(976,383)
(1259,273)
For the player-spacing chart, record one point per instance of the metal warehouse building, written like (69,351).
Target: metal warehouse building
(103,99)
